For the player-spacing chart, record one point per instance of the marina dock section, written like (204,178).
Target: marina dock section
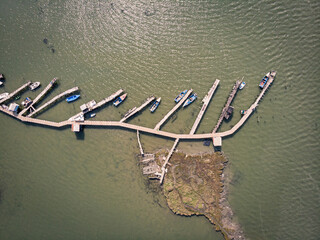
(227,105)
(39,97)
(52,101)
(92,105)
(16,92)
(165,118)
(135,110)
(206,100)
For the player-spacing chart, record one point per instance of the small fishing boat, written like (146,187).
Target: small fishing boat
(26,102)
(4,95)
(1,83)
(242,85)
(180,96)
(92,115)
(190,100)
(1,76)
(243,112)
(155,105)
(72,98)
(264,80)
(34,85)
(119,100)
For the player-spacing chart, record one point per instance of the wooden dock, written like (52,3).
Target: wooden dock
(39,97)
(165,118)
(163,168)
(136,110)
(206,100)
(250,110)
(229,101)
(107,99)
(16,92)
(122,125)
(99,104)
(52,101)
(139,142)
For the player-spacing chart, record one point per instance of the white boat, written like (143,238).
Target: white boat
(4,95)
(242,85)
(92,115)
(34,86)
(1,83)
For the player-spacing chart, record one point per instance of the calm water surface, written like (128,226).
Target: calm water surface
(55,185)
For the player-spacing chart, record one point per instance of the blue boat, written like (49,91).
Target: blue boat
(155,105)
(190,100)
(72,98)
(180,96)
(264,80)
(119,100)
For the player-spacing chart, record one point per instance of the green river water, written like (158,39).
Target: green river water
(56,185)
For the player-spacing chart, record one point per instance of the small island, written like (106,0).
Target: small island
(196,185)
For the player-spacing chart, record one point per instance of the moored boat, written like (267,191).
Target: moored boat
(27,102)
(180,96)
(4,95)
(190,100)
(264,80)
(242,85)
(34,85)
(72,98)
(1,83)
(1,76)
(119,100)
(243,112)
(155,105)
(92,115)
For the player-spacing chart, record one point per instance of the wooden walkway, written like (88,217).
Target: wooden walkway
(39,97)
(107,99)
(149,100)
(224,110)
(99,104)
(250,110)
(205,101)
(139,142)
(165,118)
(175,136)
(53,100)
(163,168)
(16,92)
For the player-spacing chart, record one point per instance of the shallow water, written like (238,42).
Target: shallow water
(57,185)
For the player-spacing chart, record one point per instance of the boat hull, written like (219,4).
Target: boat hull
(190,100)
(180,96)
(72,98)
